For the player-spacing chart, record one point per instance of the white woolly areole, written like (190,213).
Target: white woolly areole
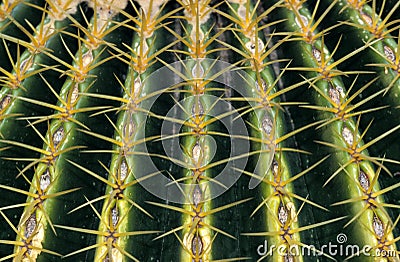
(106,9)
(237,1)
(151,6)
(204,12)
(60,9)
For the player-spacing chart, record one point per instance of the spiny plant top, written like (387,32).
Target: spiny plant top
(199,130)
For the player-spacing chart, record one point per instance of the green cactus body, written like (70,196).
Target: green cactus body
(340,133)
(198,231)
(124,198)
(365,21)
(63,137)
(197,235)
(267,125)
(119,118)
(31,70)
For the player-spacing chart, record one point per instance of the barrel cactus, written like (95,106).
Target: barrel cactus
(199,130)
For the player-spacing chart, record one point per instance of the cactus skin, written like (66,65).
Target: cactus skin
(73,126)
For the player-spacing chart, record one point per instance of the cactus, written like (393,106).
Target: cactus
(199,130)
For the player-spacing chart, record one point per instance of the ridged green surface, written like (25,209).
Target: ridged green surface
(196,130)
